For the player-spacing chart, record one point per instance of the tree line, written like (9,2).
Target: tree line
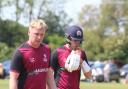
(105,27)
(13,32)
(106,30)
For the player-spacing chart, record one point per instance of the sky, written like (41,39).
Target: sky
(73,7)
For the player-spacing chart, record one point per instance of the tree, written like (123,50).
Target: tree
(113,15)
(12,33)
(55,41)
(56,24)
(107,39)
(5,52)
(89,17)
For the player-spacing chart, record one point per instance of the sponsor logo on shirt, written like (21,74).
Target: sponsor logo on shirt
(45,58)
(32,60)
(41,70)
(37,71)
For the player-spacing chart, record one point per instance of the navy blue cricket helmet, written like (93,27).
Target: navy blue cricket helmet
(74,32)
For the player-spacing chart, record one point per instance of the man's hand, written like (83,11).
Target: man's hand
(73,61)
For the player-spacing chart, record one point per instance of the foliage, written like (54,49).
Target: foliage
(112,19)
(12,33)
(89,17)
(92,43)
(55,41)
(56,23)
(5,52)
(106,30)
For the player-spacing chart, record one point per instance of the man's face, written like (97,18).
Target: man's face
(75,43)
(36,36)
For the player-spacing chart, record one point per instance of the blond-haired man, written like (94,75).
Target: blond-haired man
(30,62)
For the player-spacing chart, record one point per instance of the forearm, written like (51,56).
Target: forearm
(50,80)
(13,83)
(51,84)
(13,80)
(86,69)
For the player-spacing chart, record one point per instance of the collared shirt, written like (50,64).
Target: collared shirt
(32,64)
(63,78)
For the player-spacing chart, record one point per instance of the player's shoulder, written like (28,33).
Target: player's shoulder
(45,45)
(61,48)
(83,51)
(58,50)
(23,45)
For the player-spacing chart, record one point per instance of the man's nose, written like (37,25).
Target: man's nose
(40,36)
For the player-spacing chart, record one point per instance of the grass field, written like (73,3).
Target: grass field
(112,85)
(84,85)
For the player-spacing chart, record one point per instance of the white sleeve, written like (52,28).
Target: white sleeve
(85,67)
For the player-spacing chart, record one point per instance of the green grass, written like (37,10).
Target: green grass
(4,85)
(111,85)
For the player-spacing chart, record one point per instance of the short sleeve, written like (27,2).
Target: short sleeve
(54,60)
(84,57)
(17,61)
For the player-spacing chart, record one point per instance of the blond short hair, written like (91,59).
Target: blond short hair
(39,24)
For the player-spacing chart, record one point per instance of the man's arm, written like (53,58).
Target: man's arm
(50,80)
(13,80)
(16,67)
(86,69)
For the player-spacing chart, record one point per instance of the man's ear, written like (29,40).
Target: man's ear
(28,30)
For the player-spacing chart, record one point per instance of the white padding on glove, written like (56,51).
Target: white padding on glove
(72,62)
(85,67)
